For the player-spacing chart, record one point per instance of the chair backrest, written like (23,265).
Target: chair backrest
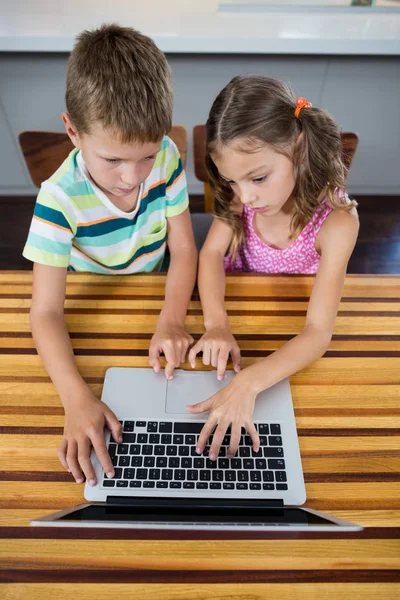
(349,141)
(44,151)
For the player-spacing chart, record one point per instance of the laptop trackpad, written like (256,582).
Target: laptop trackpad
(190,387)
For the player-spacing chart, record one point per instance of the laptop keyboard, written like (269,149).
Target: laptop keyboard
(162,454)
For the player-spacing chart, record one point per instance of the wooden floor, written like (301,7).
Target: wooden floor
(377,249)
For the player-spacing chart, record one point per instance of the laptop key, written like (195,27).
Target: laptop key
(215,485)
(173,462)
(243,476)
(141,473)
(183,450)
(218,475)
(205,475)
(134,449)
(211,464)
(154,473)
(129,473)
(276,464)
(255,476)
(161,461)
(172,450)
(147,449)
(140,423)
(186,463)
(280,476)
(112,450)
(268,486)
(263,429)
(275,429)
(135,484)
(122,449)
(268,475)
(149,461)
(275,440)
(281,486)
(244,451)
(198,463)
(136,461)
(273,452)
(223,463)
(114,460)
(108,483)
(162,484)
(190,439)
(165,427)
(242,486)
(189,427)
(128,438)
(192,475)
(188,485)
(258,453)
(248,463)
(149,484)
(179,474)
(124,461)
(166,438)
(263,440)
(175,484)
(152,427)
(129,425)
(230,475)
(255,486)
(229,486)
(178,439)
(236,463)
(202,485)
(166,474)
(122,483)
(223,451)
(261,464)
(142,438)
(154,438)
(118,473)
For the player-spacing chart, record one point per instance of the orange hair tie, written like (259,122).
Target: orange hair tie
(301,103)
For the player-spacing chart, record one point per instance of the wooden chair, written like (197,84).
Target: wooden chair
(349,141)
(44,151)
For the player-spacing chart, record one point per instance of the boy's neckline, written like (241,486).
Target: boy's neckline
(103,196)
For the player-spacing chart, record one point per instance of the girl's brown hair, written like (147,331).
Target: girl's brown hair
(258,111)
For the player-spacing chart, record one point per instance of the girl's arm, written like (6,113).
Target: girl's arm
(217,342)
(235,403)
(170,336)
(85,415)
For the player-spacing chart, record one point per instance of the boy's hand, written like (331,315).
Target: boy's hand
(173,340)
(217,343)
(232,406)
(84,424)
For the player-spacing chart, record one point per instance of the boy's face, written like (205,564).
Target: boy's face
(117,168)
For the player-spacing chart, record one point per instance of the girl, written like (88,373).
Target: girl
(278,179)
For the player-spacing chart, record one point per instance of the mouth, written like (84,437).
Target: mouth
(126,190)
(260,208)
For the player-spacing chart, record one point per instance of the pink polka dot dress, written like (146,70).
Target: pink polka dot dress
(254,256)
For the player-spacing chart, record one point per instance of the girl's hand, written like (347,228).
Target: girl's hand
(173,340)
(84,424)
(232,406)
(217,343)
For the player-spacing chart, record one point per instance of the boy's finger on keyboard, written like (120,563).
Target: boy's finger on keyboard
(218,437)
(114,426)
(72,460)
(200,406)
(102,454)
(62,453)
(85,462)
(221,364)
(236,358)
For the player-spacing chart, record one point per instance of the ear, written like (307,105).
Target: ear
(71,130)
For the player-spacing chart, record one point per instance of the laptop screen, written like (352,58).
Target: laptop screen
(261,516)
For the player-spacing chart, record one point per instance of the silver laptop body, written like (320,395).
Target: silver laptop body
(152,411)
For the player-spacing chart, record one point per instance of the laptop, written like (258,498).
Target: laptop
(162,483)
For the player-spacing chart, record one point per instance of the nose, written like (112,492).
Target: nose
(130,176)
(247,194)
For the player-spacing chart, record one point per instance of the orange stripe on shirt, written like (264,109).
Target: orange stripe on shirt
(51,223)
(175,180)
(87,223)
(153,186)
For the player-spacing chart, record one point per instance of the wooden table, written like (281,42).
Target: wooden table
(348,419)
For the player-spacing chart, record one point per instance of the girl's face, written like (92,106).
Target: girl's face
(262,179)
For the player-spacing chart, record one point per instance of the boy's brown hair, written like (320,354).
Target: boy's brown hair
(119,78)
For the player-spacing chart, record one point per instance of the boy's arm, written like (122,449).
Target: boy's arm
(85,415)
(217,342)
(170,336)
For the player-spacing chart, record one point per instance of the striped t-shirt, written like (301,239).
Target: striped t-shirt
(75,225)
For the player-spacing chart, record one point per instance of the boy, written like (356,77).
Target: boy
(112,207)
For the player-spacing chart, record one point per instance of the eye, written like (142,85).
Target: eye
(150,157)
(112,160)
(260,179)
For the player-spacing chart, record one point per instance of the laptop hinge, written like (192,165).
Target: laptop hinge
(193,503)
